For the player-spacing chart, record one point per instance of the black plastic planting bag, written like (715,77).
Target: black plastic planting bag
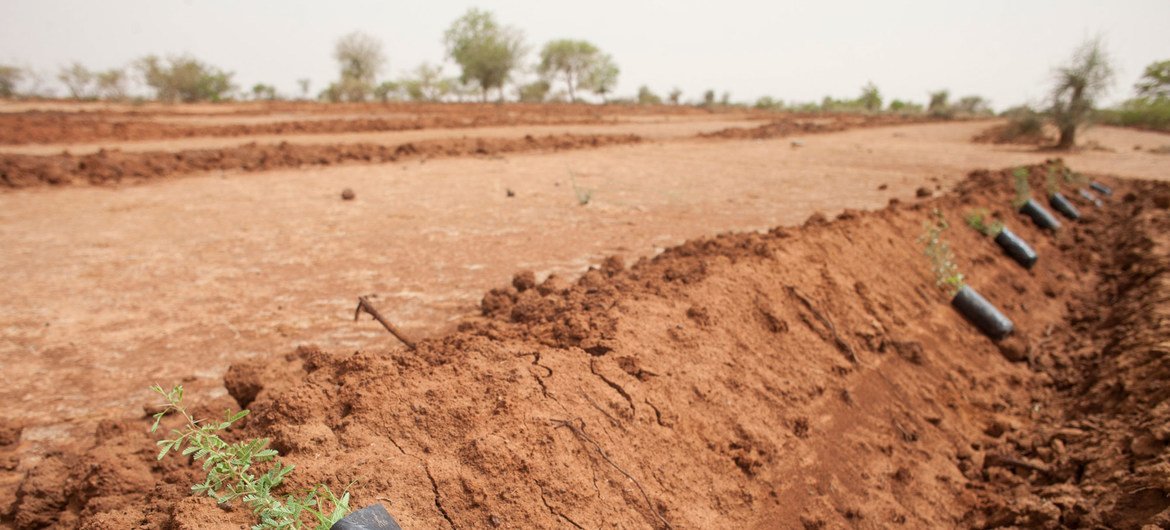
(1088,196)
(373,517)
(1039,215)
(1102,189)
(1061,204)
(1014,246)
(980,312)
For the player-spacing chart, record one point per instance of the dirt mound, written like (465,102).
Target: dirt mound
(113,167)
(797,124)
(65,127)
(806,377)
(1014,133)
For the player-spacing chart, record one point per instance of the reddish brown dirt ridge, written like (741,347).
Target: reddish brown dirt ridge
(810,378)
(115,167)
(127,125)
(791,125)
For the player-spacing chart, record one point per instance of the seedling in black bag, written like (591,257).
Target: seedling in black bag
(1013,245)
(964,299)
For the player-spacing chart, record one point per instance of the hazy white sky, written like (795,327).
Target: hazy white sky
(796,51)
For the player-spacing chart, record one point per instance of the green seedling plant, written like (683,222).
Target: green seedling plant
(232,471)
(942,259)
(1023,187)
(584,195)
(980,219)
(1051,181)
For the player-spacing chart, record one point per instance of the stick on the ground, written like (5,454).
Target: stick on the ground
(841,344)
(579,431)
(365,305)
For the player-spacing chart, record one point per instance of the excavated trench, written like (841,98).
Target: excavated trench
(808,377)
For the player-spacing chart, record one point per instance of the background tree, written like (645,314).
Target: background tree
(77,79)
(304,84)
(675,96)
(535,92)
(1155,82)
(709,98)
(10,76)
(580,64)
(387,91)
(647,96)
(1076,88)
(768,103)
(360,58)
(725,99)
(486,51)
(871,98)
(939,105)
(111,84)
(973,105)
(263,92)
(602,77)
(426,83)
(184,79)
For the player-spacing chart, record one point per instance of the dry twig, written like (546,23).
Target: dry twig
(365,305)
(841,344)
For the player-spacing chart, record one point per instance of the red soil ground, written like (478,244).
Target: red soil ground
(807,377)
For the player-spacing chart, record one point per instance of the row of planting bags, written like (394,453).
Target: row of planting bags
(976,309)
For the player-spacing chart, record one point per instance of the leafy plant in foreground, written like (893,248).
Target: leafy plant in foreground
(942,260)
(231,474)
(980,220)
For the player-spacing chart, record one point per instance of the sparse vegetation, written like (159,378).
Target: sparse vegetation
(486,51)
(10,76)
(426,83)
(263,92)
(535,92)
(648,97)
(1151,108)
(77,79)
(939,105)
(1077,86)
(942,259)
(184,79)
(111,84)
(231,469)
(871,97)
(980,219)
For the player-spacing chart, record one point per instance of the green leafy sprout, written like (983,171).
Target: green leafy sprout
(231,471)
(584,195)
(1052,180)
(980,219)
(942,259)
(1023,187)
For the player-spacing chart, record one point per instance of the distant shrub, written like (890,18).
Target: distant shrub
(184,79)
(1142,113)
(768,103)
(647,96)
(10,76)
(871,98)
(905,107)
(535,92)
(940,106)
